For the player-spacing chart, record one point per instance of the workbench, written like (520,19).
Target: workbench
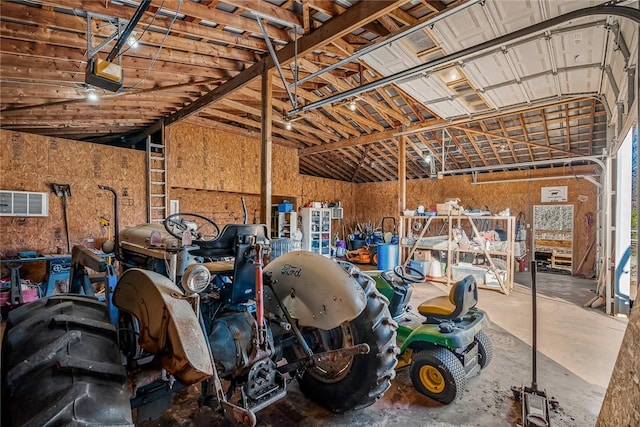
(57,268)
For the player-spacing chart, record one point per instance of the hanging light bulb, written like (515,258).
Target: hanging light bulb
(132,40)
(352,105)
(92,96)
(427,156)
(288,125)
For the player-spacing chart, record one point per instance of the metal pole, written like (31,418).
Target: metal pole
(534,308)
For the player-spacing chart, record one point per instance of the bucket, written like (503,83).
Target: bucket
(435,270)
(356,244)
(387,256)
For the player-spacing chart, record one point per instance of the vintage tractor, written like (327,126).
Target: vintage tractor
(202,311)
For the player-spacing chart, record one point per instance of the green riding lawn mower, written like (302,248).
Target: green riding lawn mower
(444,344)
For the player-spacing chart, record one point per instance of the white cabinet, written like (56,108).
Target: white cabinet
(285,225)
(316,230)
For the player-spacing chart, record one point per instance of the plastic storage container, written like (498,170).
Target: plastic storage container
(387,256)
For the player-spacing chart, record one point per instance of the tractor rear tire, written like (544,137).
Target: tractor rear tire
(363,378)
(61,365)
(438,374)
(485,349)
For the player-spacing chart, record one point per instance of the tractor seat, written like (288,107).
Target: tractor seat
(225,244)
(462,297)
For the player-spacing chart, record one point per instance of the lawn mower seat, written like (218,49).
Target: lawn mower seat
(462,297)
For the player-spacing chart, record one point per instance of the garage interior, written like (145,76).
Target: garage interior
(387,112)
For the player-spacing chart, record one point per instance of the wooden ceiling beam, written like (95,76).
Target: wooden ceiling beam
(73,35)
(267,10)
(506,138)
(255,124)
(352,142)
(331,111)
(235,130)
(168,60)
(384,161)
(469,135)
(342,85)
(334,28)
(314,118)
(323,135)
(162,22)
(187,8)
(526,137)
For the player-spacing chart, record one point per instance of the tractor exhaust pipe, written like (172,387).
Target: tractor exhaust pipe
(116,222)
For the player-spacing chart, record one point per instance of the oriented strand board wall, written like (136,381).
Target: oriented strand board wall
(31,163)
(210,170)
(620,406)
(376,200)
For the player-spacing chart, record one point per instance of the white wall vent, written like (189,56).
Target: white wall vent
(336,213)
(23,203)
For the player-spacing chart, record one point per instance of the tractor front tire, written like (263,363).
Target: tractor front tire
(438,374)
(61,365)
(485,349)
(358,381)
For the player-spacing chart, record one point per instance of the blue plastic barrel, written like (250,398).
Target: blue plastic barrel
(387,256)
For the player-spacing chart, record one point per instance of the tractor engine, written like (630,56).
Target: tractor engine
(232,338)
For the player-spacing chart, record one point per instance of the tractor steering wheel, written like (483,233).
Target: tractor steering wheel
(409,274)
(201,228)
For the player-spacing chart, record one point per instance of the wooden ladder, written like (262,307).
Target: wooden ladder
(156,179)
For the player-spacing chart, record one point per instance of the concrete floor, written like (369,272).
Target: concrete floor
(578,349)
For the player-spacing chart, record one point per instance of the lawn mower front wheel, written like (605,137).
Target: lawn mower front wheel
(438,374)
(485,349)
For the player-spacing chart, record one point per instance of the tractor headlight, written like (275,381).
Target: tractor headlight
(196,279)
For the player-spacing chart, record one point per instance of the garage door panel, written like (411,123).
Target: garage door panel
(531,58)
(578,47)
(540,87)
(466,28)
(510,16)
(490,70)
(506,95)
(579,80)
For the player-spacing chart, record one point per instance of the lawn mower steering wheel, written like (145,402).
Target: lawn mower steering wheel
(201,228)
(409,274)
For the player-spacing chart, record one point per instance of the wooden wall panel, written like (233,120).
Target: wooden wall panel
(32,162)
(620,406)
(376,200)
(233,165)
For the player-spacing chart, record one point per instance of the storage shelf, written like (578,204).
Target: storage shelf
(443,226)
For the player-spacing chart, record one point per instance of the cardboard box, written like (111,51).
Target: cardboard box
(422,255)
(446,209)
